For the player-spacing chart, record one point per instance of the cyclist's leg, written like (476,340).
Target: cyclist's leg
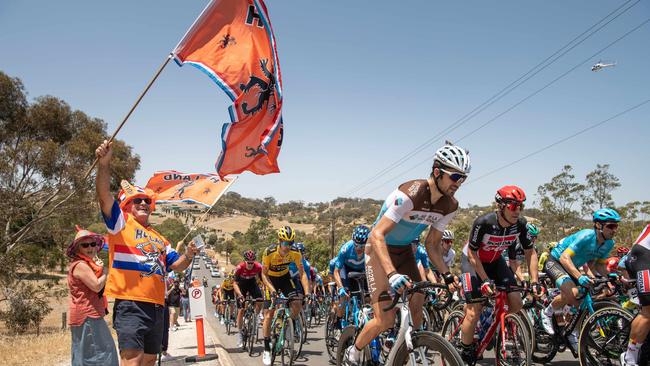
(638,266)
(408,266)
(504,277)
(472,290)
(379,298)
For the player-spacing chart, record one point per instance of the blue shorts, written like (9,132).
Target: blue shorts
(139,325)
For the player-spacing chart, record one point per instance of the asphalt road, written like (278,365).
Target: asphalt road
(313,352)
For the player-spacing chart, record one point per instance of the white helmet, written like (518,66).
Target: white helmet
(448,235)
(454,157)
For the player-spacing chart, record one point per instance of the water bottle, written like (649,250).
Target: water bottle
(484,322)
(375,350)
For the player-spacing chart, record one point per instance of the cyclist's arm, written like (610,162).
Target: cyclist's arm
(434,250)
(475,261)
(567,263)
(266,280)
(423,271)
(235,286)
(377,240)
(517,271)
(531,259)
(303,277)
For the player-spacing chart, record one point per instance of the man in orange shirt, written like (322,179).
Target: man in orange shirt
(139,258)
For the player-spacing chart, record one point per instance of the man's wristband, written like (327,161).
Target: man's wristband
(392,273)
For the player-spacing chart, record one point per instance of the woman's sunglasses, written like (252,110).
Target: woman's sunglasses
(454,176)
(139,200)
(86,245)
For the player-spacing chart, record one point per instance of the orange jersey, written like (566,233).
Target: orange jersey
(138,259)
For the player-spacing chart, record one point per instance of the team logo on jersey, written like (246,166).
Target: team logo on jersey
(153,258)
(643,281)
(424,218)
(413,189)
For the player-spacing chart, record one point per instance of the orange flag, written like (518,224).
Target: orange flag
(232,42)
(173,186)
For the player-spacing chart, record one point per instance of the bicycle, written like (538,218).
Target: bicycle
(282,336)
(250,329)
(228,314)
(333,327)
(411,346)
(512,345)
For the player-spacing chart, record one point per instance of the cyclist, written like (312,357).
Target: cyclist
(587,246)
(483,265)
(407,212)
(275,275)
(216,298)
(351,258)
(545,255)
(638,266)
(448,254)
(247,274)
(612,263)
(228,293)
(293,269)
(422,261)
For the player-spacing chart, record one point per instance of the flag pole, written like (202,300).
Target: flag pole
(202,218)
(135,105)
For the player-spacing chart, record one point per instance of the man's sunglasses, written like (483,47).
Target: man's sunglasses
(454,176)
(139,200)
(447,241)
(612,226)
(250,263)
(86,245)
(513,205)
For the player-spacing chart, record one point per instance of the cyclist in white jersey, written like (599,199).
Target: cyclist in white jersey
(390,264)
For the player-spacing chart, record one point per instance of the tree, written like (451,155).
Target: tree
(557,199)
(598,190)
(173,230)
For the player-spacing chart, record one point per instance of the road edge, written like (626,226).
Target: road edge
(224,358)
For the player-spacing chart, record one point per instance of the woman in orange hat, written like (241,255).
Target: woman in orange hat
(92,342)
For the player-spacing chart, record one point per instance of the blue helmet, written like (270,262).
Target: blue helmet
(299,247)
(360,234)
(606,215)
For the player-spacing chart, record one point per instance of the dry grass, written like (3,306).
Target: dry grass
(52,347)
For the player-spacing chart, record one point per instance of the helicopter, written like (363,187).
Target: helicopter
(601,65)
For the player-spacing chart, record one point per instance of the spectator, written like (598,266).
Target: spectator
(174,303)
(139,259)
(92,342)
(185,304)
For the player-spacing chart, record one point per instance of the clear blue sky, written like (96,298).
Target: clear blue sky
(364,84)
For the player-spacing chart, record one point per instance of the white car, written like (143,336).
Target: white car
(216,273)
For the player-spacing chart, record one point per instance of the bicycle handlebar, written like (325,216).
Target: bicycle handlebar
(417,287)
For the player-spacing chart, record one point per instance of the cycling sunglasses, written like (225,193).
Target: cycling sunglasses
(612,226)
(513,205)
(286,243)
(454,176)
(139,200)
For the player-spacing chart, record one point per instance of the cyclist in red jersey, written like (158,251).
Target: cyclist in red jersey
(483,264)
(247,274)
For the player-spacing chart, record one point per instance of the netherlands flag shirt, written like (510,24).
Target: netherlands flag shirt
(139,257)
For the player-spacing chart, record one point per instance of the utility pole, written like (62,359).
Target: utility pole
(332,238)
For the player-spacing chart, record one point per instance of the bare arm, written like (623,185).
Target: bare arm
(377,240)
(303,278)
(83,272)
(337,277)
(475,261)
(531,259)
(104,154)
(567,263)
(434,250)
(186,259)
(267,280)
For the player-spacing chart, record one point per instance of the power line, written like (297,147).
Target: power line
(502,93)
(560,141)
(516,104)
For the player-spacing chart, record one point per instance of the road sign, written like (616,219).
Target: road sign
(197,302)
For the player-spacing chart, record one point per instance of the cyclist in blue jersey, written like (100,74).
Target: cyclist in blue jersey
(588,246)
(351,258)
(422,261)
(409,210)
(293,269)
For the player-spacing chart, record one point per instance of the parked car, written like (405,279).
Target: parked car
(217,273)
(214,273)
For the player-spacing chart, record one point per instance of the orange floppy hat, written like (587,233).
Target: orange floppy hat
(130,191)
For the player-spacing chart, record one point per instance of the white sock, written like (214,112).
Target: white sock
(632,353)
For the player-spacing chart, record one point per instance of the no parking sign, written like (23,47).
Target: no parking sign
(197,302)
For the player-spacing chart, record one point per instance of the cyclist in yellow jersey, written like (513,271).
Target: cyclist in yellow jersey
(544,256)
(228,293)
(276,278)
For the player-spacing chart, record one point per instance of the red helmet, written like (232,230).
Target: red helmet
(510,193)
(621,251)
(249,255)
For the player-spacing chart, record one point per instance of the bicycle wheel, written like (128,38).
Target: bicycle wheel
(299,334)
(288,352)
(513,347)
(227,321)
(604,336)
(428,349)
(252,332)
(332,335)
(451,328)
(546,345)
(529,328)
(346,340)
